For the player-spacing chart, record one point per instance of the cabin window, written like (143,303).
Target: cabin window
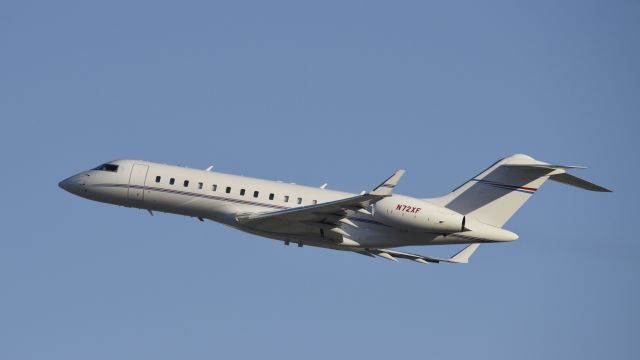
(241,192)
(271,196)
(286,198)
(157,179)
(314,202)
(107,167)
(214,187)
(299,200)
(228,190)
(200,185)
(255,194)
(186,183)
(172,181)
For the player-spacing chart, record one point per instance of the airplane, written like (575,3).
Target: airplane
(371,223)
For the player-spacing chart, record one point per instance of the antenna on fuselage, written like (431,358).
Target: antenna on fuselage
(324,186)
(209,168)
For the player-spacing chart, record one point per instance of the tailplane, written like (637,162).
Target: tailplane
(494,195)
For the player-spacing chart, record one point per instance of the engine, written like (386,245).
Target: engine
(416,215)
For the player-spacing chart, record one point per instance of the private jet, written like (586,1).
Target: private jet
(373,223)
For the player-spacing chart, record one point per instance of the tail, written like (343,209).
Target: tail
(494,195)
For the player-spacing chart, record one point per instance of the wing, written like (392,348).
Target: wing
(461,257)
(330,215)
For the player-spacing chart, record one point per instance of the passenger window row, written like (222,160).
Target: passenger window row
(214,188)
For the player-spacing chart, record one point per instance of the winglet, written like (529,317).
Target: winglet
(387,186)
(464,255)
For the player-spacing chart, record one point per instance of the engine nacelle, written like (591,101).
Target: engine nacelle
(416,215)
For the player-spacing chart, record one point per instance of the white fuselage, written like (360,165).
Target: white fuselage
(222,197)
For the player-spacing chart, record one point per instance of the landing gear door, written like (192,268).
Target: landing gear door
(137,181)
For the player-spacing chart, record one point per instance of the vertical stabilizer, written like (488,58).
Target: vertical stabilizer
(494,195)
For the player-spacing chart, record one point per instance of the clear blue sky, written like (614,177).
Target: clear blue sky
(339,92)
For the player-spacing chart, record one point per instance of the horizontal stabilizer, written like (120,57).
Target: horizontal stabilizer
(569,179)
(558,173)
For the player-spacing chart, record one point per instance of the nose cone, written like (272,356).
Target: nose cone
(71,184)
(65,184)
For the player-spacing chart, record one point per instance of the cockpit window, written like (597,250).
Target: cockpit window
(107,167)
